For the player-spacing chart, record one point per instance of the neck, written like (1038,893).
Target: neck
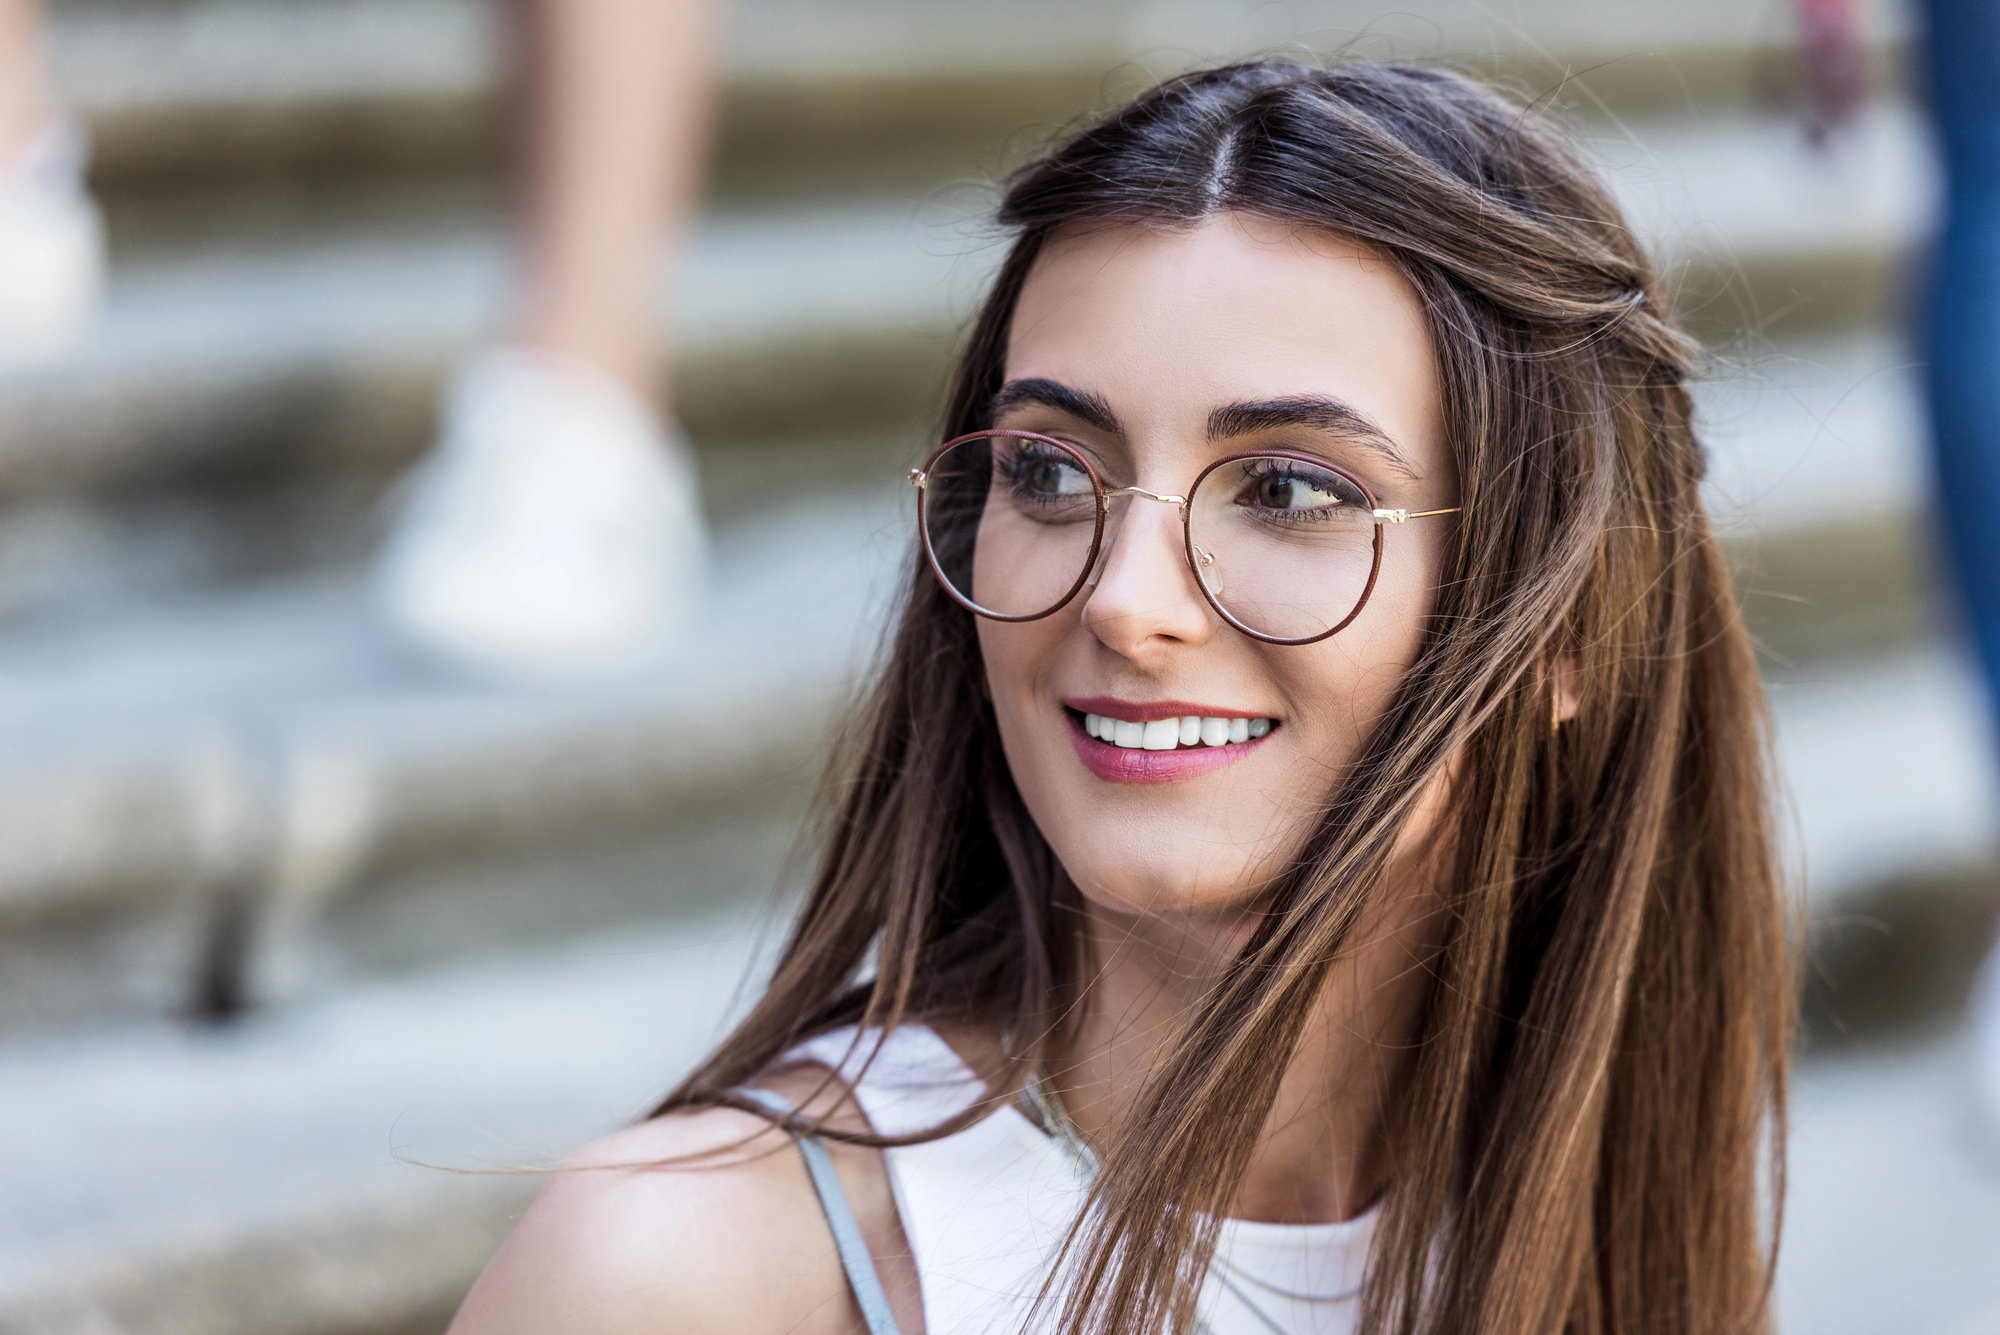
(1322,1155)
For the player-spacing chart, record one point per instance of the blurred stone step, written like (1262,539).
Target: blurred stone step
(1815,430)
(1763,235)
(1893,1205)
(1890,766)
(290,1174)
(159,759)
(191,99)
(244,798)
(1819,478)
(241,411)
(302,1173)
(1897,960)
(242,406)
(323,354)
(225,801)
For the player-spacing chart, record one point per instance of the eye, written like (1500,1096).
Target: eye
(1043,473)
(1297,491)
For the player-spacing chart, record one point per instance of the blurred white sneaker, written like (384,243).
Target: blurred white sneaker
(554,533)
(51,252)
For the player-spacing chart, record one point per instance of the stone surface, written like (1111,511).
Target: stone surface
(471,928)
(243,763)
(341,1167)
(1898,959)
(1889,767)
(270,361)
(303,768)
(200,96)
(230,766)
(324,352)
(1892,1221)
(290,1173)
(242,410)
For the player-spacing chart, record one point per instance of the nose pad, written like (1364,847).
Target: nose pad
(1205,566)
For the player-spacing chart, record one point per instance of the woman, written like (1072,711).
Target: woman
(1305,864)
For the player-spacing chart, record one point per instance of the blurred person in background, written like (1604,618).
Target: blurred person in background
(1961,333)
(555,530)
(1305,865)
(556,527)
(1958,57)
(51,237)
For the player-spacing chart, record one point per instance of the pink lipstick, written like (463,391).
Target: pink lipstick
(1131,764)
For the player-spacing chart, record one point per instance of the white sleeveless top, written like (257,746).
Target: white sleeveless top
(985,1210)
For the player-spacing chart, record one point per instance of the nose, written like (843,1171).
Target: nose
(1143,598)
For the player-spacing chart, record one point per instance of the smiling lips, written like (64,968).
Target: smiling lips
(1168,742)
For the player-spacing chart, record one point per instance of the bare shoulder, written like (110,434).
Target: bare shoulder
(702,1220)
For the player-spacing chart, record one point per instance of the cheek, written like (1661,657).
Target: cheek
(1020,658)
(1010,654)
(1339,690)
(1398,617)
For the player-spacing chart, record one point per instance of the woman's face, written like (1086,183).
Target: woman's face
(1130,344)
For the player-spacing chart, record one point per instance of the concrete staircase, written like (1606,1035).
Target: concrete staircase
(285,914)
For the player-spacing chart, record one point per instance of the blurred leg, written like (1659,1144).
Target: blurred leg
(618,95)
(24,109)
(1962,56)
(556,529)
(51,238)
(1963,50)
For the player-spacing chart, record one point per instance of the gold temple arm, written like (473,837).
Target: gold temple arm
(1405,516)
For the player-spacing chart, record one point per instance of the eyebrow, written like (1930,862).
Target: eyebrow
(1316,412)
(1080,404)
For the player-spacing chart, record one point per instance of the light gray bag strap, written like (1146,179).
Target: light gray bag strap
(854,1257)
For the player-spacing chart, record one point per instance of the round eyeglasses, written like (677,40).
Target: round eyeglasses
(1285,547)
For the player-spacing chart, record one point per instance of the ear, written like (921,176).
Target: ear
(1566,685)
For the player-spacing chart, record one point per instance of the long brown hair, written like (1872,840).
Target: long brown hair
(1600,1084)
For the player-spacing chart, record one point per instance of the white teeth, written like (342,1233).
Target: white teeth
(1168,733)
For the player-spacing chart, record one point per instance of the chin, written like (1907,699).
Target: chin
(1165,887)
(1152,850)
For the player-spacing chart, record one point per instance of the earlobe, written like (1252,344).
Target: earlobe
(1565,686)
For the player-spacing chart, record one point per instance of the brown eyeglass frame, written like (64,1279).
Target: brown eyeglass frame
(920,478)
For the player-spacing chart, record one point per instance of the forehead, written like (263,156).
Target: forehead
(1166,325)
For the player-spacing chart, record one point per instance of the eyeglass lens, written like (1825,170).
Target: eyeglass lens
(1010,522)
(1284,546)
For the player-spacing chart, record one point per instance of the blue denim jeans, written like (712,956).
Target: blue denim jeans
(1962,58)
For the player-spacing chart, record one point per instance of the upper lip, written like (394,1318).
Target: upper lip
(1149,711)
